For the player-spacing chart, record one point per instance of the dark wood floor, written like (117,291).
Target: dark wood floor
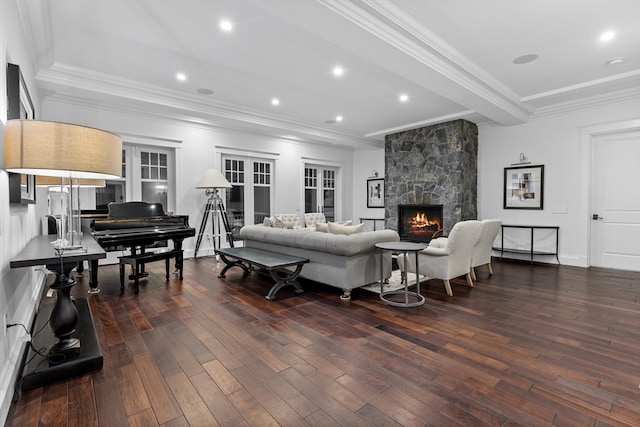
(533,345)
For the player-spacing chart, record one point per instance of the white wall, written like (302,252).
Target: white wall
(554,142)
(364,163)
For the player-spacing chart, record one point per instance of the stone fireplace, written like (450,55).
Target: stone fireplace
(419,223)
(433,165)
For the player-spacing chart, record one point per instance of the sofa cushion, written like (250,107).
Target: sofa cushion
(337,228)
(322,227)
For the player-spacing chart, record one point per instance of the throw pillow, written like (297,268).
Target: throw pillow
(277,223)
(336,228)
(322,227)
(267,222)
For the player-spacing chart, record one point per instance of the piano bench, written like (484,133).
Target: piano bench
(140,259)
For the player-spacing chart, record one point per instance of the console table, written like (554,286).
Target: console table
(531,251)
(71,338)
(374,221)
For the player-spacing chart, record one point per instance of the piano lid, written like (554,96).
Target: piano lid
(126,210)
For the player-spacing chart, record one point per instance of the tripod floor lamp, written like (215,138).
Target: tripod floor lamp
(212,181)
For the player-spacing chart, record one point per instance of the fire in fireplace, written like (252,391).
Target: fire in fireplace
(418,223)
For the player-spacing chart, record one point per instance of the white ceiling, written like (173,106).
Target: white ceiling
(452,57)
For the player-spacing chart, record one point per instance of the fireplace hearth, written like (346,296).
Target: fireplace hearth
(419,223)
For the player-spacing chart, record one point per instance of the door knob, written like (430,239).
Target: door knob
(595,217)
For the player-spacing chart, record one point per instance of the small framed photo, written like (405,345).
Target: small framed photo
(524,187)
(375,193)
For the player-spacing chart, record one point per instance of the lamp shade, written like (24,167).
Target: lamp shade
(213,178)
(37,147)
(53,181)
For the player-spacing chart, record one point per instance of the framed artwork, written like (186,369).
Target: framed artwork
(22,188)
(375,193)
(524,187)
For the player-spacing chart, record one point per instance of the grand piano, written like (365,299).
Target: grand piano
(138,226)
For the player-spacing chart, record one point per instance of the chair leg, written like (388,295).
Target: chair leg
(469,281)
(473,273)
(490,269)
(447,286)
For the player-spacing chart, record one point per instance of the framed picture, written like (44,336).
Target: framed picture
(22,188)
(375,193)
(524,187)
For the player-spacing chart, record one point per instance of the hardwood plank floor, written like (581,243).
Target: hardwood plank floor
(532,345)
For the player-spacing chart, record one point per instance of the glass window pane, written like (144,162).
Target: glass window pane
(163,173)
(154,173)
(144,158)
(261,203)
(235,209)
(163,160)
(144,172)
(155,192)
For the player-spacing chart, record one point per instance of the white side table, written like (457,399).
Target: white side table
(411,299)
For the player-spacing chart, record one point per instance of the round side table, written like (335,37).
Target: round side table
(411,299)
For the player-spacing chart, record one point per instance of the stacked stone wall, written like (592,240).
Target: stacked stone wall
(433,165)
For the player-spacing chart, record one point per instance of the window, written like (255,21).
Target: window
(252,192)
(146,175)
(320,194)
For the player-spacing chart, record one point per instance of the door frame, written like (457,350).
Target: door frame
(587,134)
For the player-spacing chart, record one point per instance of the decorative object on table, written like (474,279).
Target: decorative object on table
(375,193)
(212,181)
(19,106)
(523,187)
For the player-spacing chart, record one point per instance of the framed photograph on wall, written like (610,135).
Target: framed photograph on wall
(22,188)
(375,193)
(524,187)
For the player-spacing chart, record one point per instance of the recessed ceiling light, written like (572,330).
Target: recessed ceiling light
(525,59)
(338,118)
(275,101)
(404,97)
(338,71)
(204,91)
(226,25)
(606,36)
(615,61)
(181,76)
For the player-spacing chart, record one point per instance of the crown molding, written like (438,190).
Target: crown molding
(478,89)
(203,115)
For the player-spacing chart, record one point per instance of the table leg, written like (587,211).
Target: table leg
(93,280)
(284,278)
(64,317)
(230,263)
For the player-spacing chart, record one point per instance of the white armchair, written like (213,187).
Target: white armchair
(481,254)
(450,261)
(311,218)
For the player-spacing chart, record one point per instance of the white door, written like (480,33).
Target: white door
(615,201)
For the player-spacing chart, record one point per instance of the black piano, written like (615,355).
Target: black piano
(138,226)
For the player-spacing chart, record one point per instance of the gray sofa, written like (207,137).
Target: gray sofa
(343,261)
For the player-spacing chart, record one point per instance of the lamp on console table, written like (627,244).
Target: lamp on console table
(60,194)
(212,181)
(69,152)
